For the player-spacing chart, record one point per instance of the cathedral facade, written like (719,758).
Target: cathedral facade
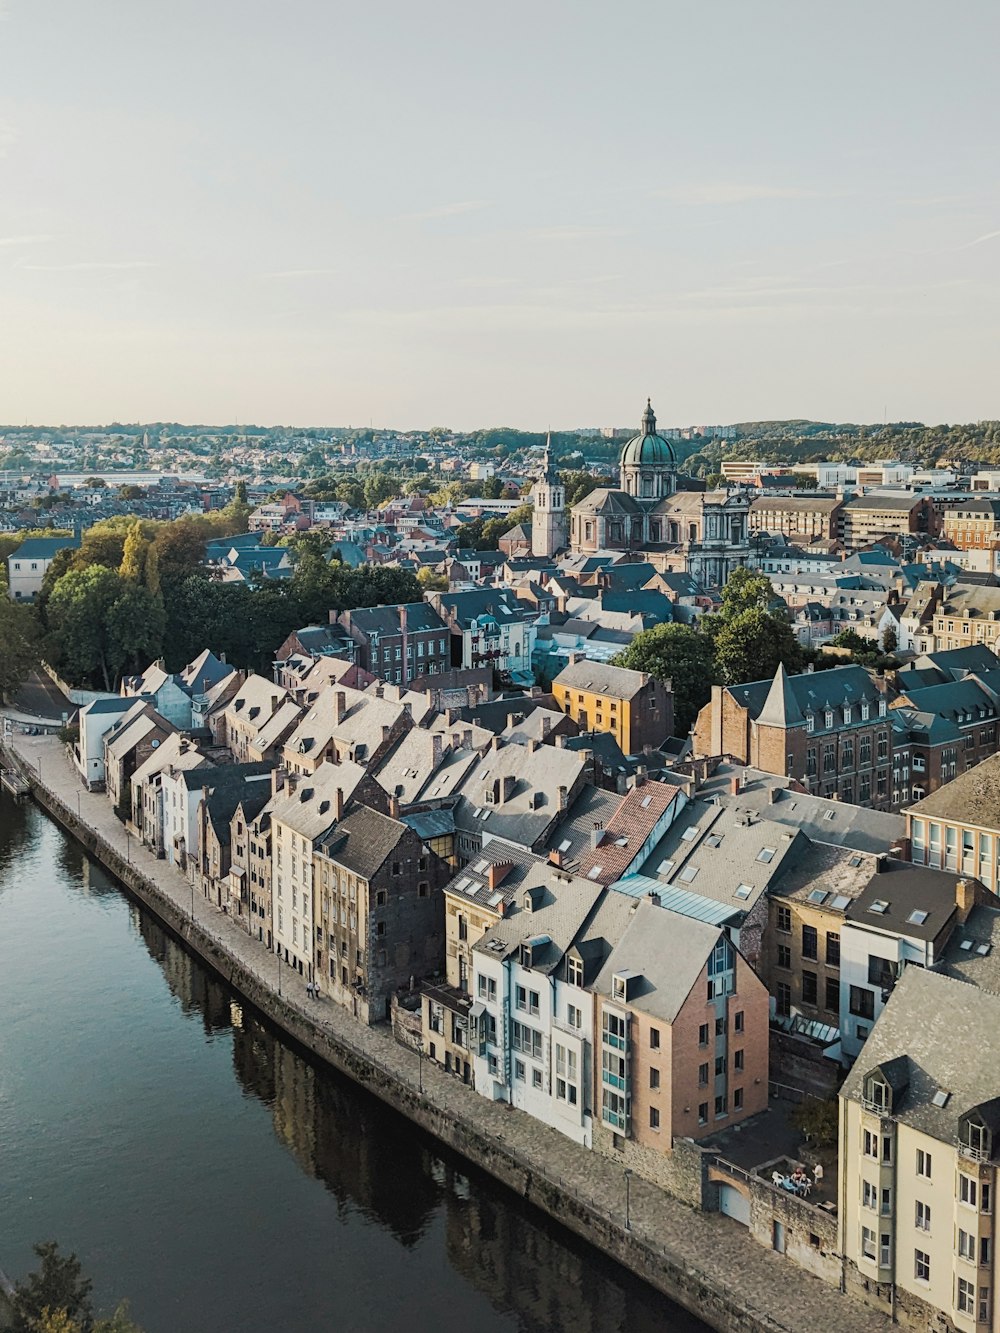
(704,533)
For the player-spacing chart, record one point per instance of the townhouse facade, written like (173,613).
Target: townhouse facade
(632,706)
(398,643)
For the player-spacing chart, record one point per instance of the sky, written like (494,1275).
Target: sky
(535,214)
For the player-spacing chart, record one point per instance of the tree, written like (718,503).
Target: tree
(133,565)
(430,581)
(679,654)
(101,623)
(18,633)
(890,640)
(59,1285)
(56,1299)
(746,590)
(750,646)
(130,492)
(95,483)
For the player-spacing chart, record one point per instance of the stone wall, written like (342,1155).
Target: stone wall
(682,1171)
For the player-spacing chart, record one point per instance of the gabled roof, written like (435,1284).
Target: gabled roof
(602,678)
(363,841)
(781,708)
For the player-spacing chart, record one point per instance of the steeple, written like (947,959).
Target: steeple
(649,419)
(781,708)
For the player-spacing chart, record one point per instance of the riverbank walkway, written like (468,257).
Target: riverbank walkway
(780,1295)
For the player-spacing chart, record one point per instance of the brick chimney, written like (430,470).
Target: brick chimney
(393,807)
(498,873)
(437,748)
(734,786)
(338,804)
(555,857)
(546,726)
(965,898)
(563,795)
(339,706)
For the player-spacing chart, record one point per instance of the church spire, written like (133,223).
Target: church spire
(649,419)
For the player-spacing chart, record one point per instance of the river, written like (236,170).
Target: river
(221,1181)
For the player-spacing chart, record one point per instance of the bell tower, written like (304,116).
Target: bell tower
(548,523)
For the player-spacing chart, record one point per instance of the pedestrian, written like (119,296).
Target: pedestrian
(818,1172)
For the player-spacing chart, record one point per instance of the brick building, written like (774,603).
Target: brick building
(870,518)
(803,518)
(828,730)
(398,643)
(379,912)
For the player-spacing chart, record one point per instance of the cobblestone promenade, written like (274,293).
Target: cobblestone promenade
(709,1244)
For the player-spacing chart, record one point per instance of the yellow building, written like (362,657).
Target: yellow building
(919,1143)
(633,707)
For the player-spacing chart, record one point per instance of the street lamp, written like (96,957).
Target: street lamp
(628,1177)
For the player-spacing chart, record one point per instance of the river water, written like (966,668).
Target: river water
(205,1170)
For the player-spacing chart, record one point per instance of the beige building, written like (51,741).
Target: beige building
(919,1142)
(957,827)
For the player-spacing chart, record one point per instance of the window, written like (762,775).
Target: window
(703,1113)
(966,1245)
(968,1190)
(721,1106)
(809,987)
(720,1027)
(613,1109)
(521,998)
(574,1016)
(654,1039)
(966,1297)
(532,1002)
(868,1243)
(720,1065)
(809,942)
(703,1035)
(862,1002)
(785,920)
(738,1021)
(869,1195)
(783,998)
(703,1076)
(738,1061)
(654,1078)
(921,1266)
(784,956)
(923,1164)
(832,949)
(922,1221)
(519,1070)
(831,1001)
(654,1118)
(738,1099)
(870,1144)
(574,971)
(536,1078)
(615,1030)
(463,927)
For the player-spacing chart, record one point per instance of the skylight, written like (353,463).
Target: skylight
(593,872)
(688,874)
(966,945)
(854,862)
(983,949)
(665,867)
(818,896)
(940,1098)
(565,845)
(690,833)
(917,918)
(713,840)
(879,907)
(828,814)
(840,903)
(743,891)
(645,801)
(766,854)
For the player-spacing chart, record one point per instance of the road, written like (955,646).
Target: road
(39,698)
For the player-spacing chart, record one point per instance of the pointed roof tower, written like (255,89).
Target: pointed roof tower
(781,708)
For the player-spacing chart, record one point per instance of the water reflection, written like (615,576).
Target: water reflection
(18,833)
(373,1162)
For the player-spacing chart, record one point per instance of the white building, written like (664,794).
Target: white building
(27,566)
(96,720)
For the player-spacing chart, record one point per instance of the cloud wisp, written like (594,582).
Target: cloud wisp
(733,192)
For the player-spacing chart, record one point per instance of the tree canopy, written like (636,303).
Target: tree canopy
(682,655)
(56,1299)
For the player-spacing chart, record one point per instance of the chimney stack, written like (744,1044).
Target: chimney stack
(734,786)
(393,807)
(497,874)
(965,898)
(340,706)
(563,794)
(437,748)
(546,726)
(338,804)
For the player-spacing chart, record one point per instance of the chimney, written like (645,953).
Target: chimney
(508,787)
(379,689)
(533,744)
(494,742)
(277,780)
(546,725)
(734,786)
(596,834)
(555,857)
(291,782)
(339,706)
(467,739)
(773,795)
(563,794)
(393,807)
(451,716)
(338,804)
(437,748)
(560,741)
(653,897)
(498,873)
(965,898)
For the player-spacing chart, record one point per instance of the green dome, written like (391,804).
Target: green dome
(647,448)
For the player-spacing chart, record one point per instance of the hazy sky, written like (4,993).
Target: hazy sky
(532,213)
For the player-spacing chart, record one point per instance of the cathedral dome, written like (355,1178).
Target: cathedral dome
(647,448)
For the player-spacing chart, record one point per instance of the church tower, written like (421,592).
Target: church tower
(647,463)
(548,523)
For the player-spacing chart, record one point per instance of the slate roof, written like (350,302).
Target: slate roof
(905,889)
(559,909)
(602,678)
(973,951)
(839,872)
(420,616)
(311,808)
(43,548)
(947,1033)
(971,798)
(813,691)
(667,952)
(363,841)
(774,800)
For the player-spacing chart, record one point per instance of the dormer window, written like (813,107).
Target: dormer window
(865,710)
(847,714)
(810,722)
(574,971)
(881,708)
(828,720)
(877,1093)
